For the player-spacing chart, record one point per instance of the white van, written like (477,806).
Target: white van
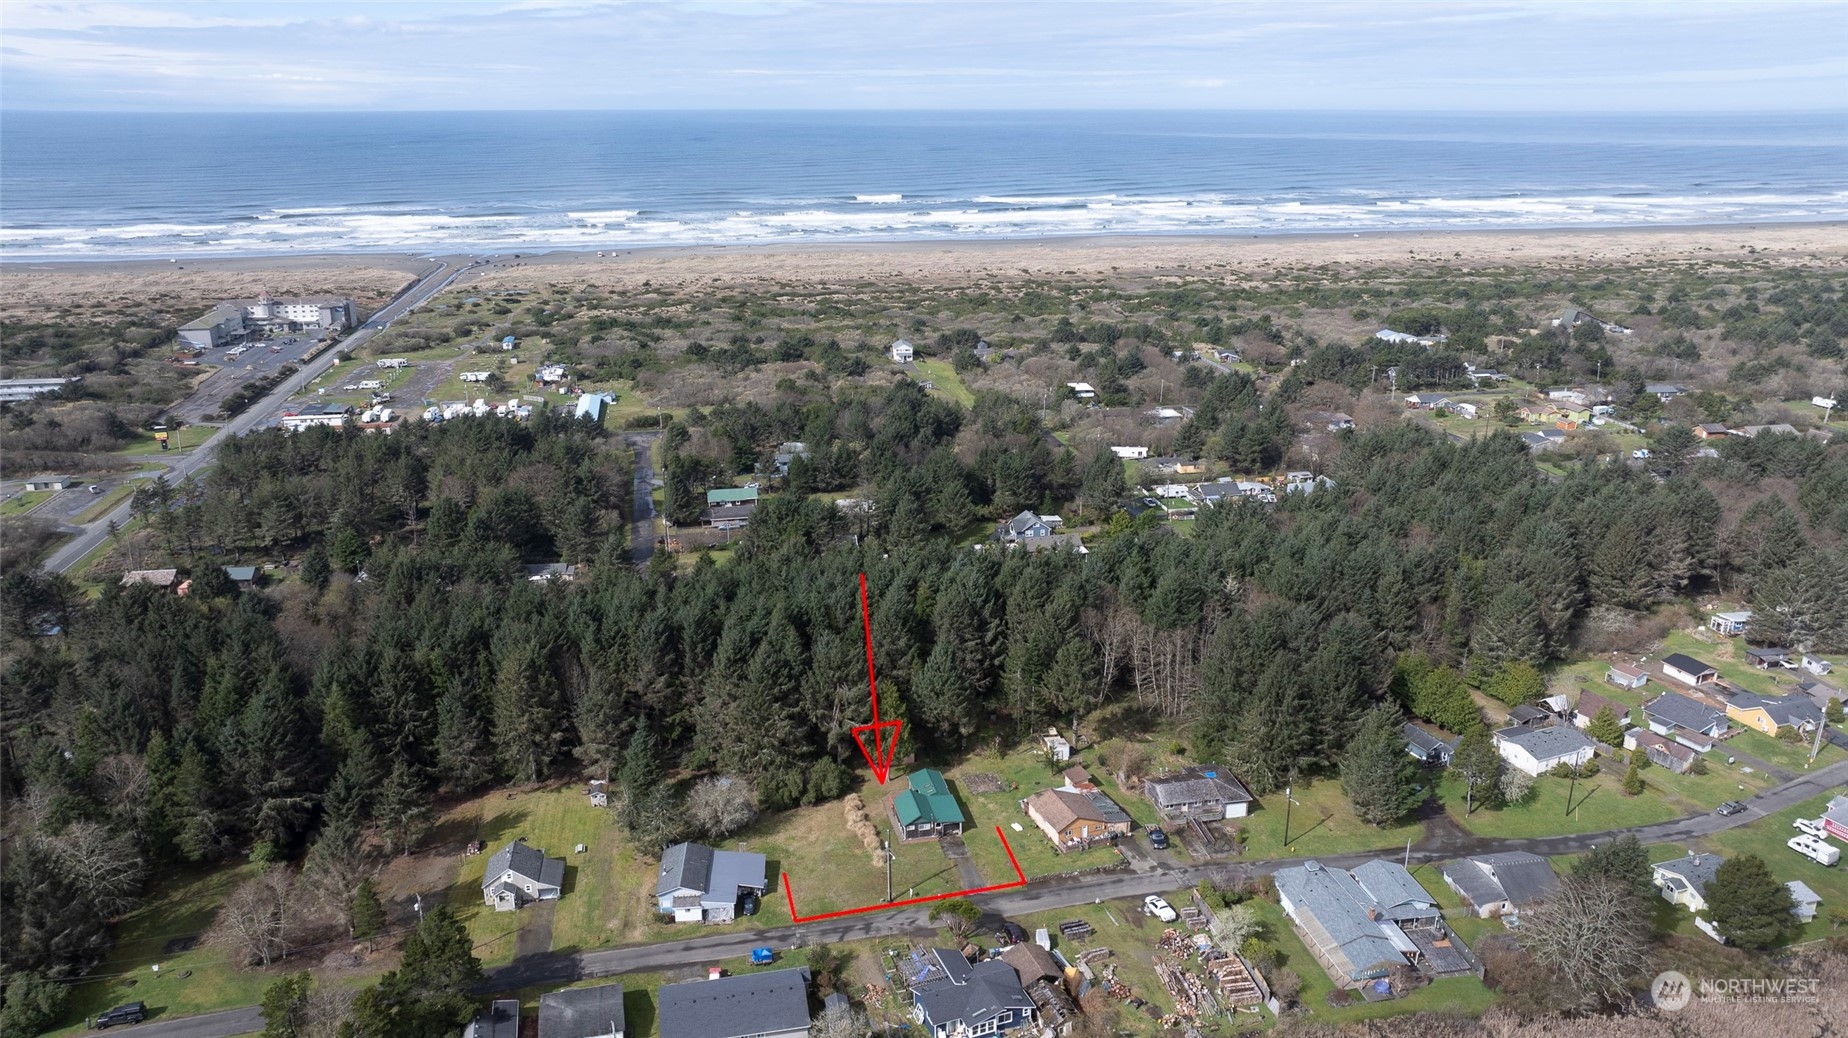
(1815,850)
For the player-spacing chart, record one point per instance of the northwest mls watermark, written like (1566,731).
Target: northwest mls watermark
(1673,990)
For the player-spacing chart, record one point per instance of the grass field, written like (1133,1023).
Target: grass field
(198,980)
(1598,803)
(943,377)
(1027,771)
(1321,822)
(25,501)
(178,441)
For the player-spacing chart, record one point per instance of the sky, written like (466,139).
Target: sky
(781,54)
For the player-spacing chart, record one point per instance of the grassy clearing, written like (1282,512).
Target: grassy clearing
(516,380)
(1598,803)
(179,440)
(608,889)
(1026,771)
(828,867)
(199,980)
(25,501)
(943,377)
(1321,822)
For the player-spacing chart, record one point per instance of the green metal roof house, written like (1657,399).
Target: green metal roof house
(927,810)
(731,496)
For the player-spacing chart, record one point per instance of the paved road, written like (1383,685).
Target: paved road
(206,1025)
(641,526)
(1442,843)
(88,537)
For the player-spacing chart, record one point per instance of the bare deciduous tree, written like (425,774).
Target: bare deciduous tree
(258,919)
(840,1022)
(328,1006)
(721,805)
(1231,926)
(104,865)
(1592,934)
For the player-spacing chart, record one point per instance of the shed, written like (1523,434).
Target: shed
(38,483)
(1687,669)
(1625,676)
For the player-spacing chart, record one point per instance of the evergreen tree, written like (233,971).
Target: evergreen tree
(1620,574)
(365,911)
(1377,774)
(1632,778)
(431,993)
(285,1006)
(1622,861)
(1605,727)
(317,569)
(1508,631)
(1516,683)
(1748,905)
(1479,765)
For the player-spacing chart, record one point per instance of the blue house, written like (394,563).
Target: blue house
(591,406)
(953,997)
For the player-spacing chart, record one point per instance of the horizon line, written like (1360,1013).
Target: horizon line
(1472,112)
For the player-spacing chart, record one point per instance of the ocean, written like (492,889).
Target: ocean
(99,186)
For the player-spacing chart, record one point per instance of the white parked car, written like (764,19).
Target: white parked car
(1641,454)
(1815,850)
(1811,826)
(1159,907)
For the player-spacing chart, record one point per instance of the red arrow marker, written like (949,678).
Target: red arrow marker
(884,734)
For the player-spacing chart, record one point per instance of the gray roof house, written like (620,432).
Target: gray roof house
(1502,883)
(1537,750)
(698,884)
(1360,923)
(1023,526)
(582,1013)
(1684,880)
(772,1004)
(1202,791)
(518,874)
(1682,719)
(1429,747)
(500,1020)
(951,997)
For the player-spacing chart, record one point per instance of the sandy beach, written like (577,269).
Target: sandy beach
(40,286)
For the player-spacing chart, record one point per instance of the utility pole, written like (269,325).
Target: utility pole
(888,864)
(1289,801)
(1570,789)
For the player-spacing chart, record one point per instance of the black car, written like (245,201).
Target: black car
(1158,839)
(1010,933)
(749,905)
(1731,807)
(132,1013)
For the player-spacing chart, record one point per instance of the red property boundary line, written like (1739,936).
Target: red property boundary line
(1020,880)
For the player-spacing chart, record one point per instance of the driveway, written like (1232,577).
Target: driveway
(967,875)
(535,936)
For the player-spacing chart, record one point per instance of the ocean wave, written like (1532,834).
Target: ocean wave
(391,228)
(879,198)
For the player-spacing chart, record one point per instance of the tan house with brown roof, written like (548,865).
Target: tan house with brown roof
(1069,818)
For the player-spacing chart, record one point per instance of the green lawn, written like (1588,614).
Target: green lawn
(942,375)
(178,441)
(1321,821)
(1598,803)
(1766,838)
(1027,770)
(25,501)
(175,907)
(829,868)
(608,889)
